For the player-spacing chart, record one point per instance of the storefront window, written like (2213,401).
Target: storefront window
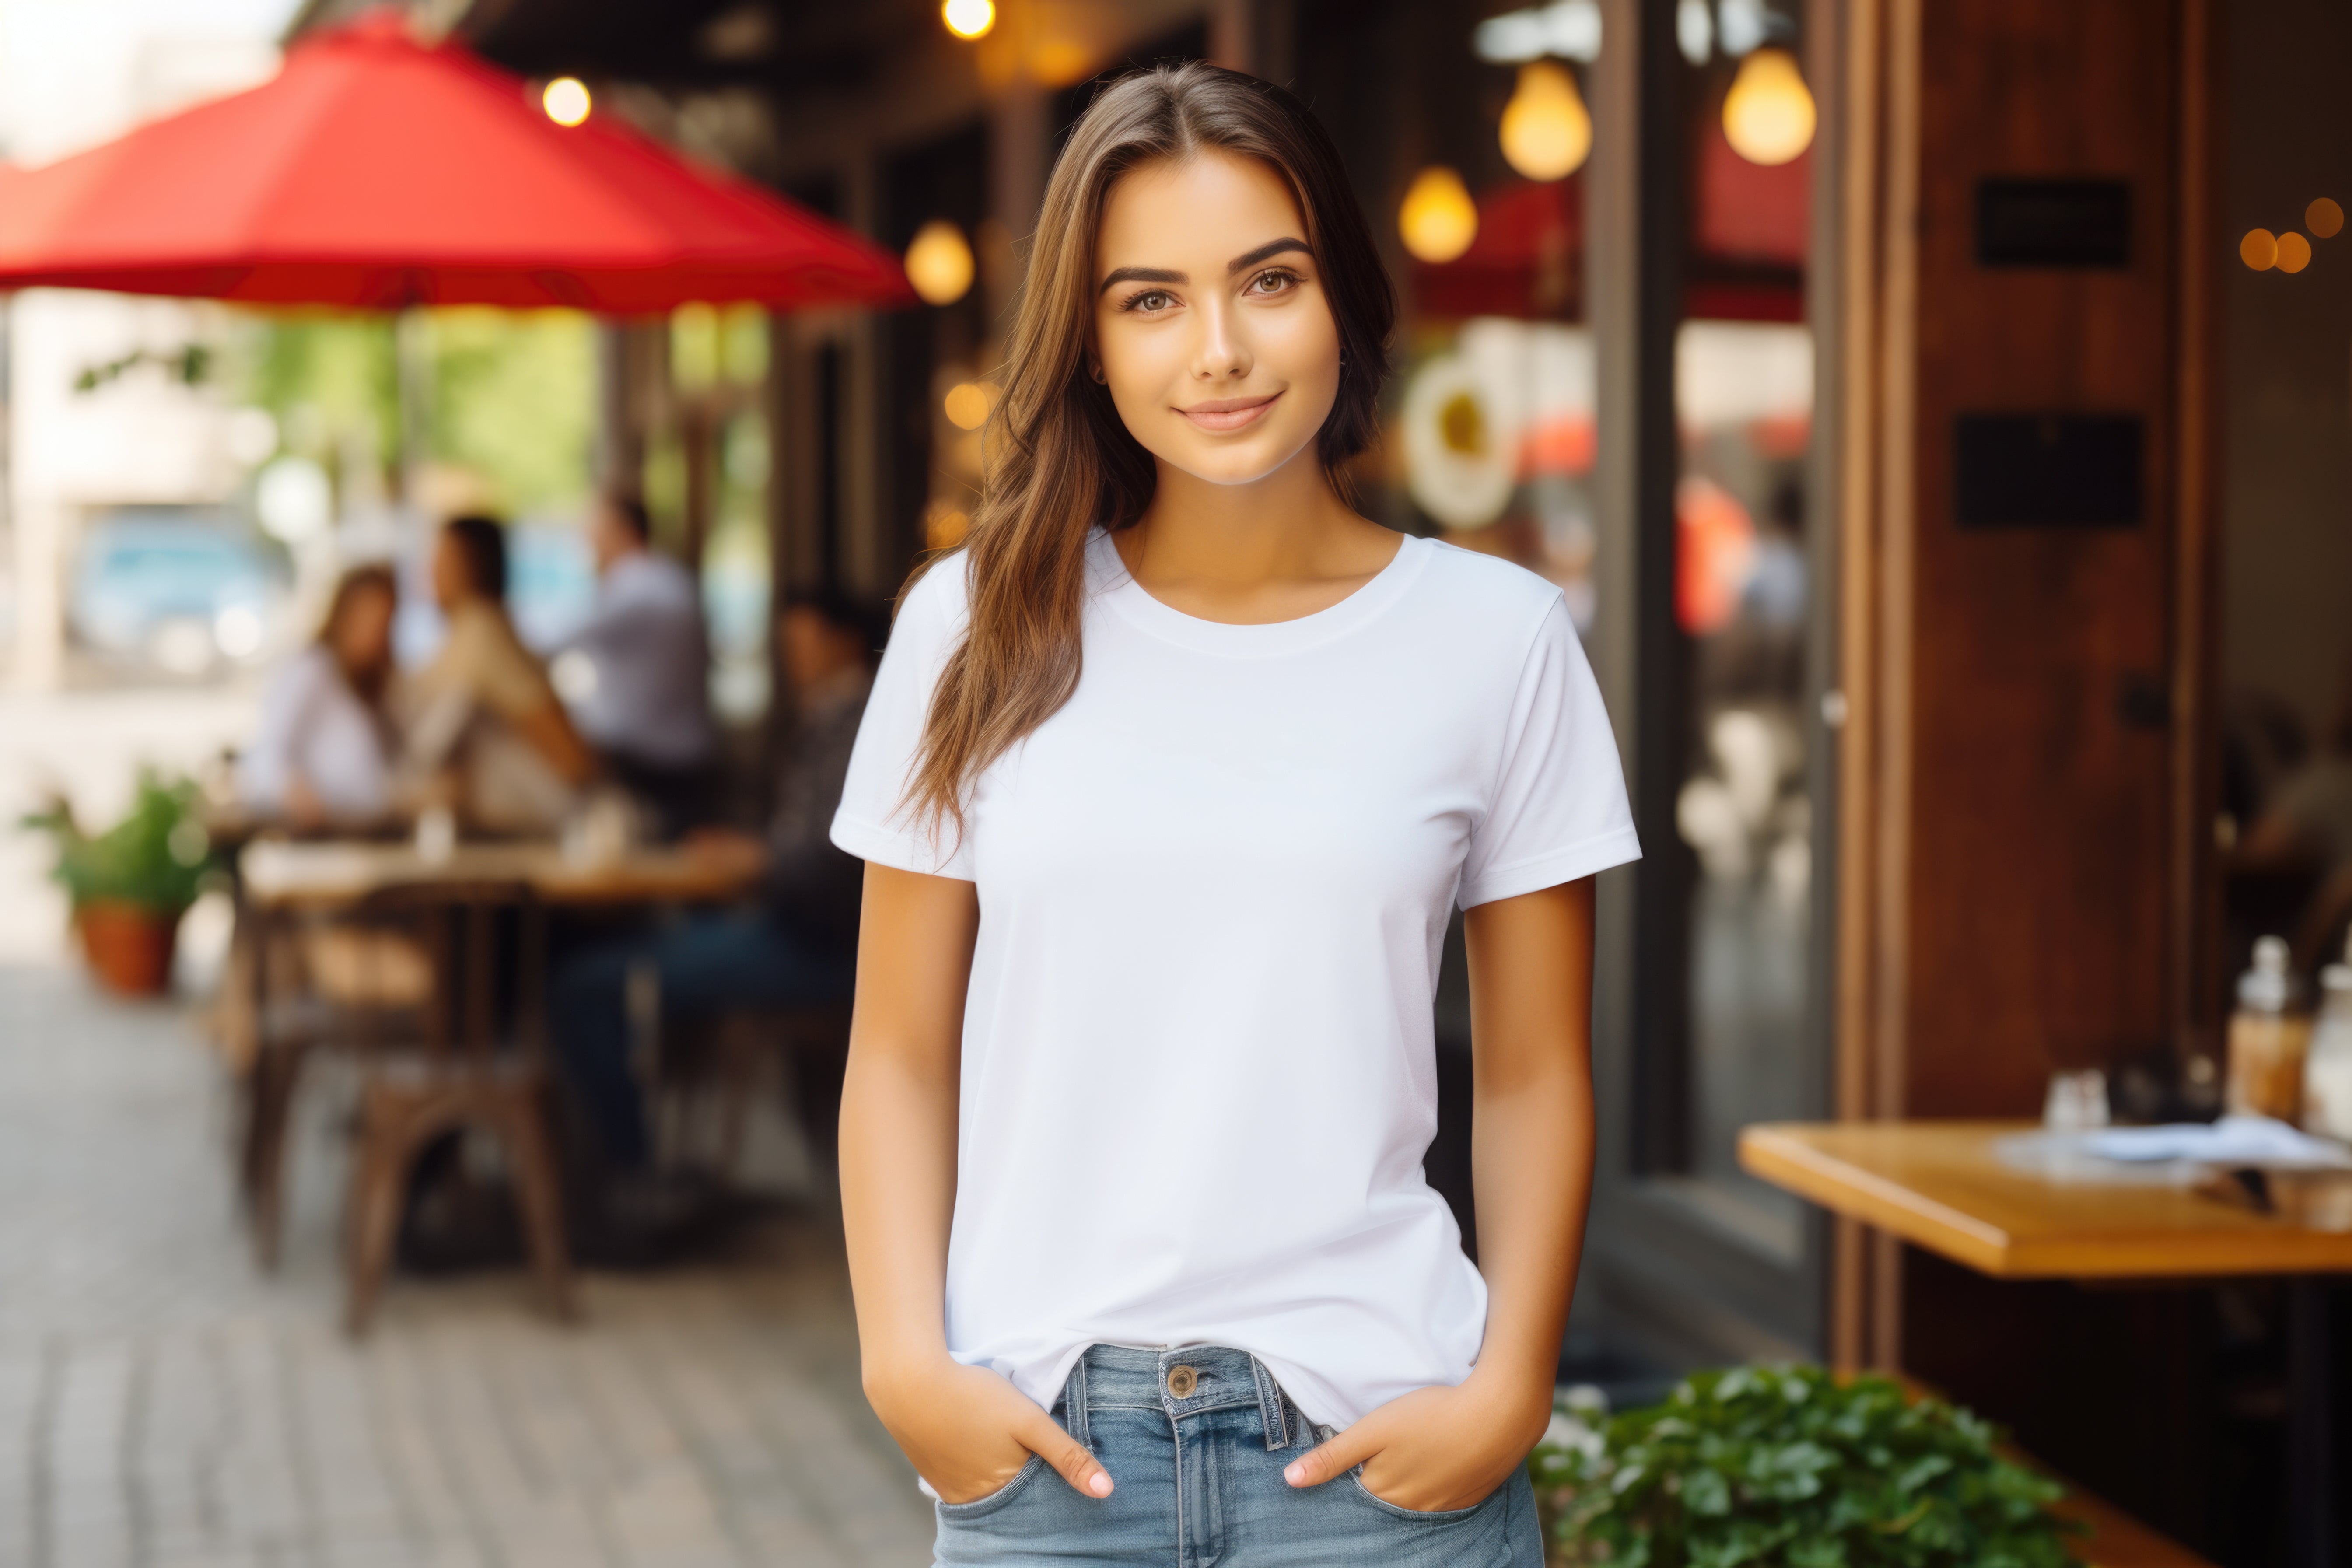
(1493,418)
(1742,599)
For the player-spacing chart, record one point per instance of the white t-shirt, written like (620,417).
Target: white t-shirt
(1198,1074)
(315,726)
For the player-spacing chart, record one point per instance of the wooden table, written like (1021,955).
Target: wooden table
(1941,1185)
(324,874)
(280,882)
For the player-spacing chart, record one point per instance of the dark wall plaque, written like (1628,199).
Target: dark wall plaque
(2054,223)
(2047,470)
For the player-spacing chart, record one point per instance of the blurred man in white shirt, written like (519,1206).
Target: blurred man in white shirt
(636,675)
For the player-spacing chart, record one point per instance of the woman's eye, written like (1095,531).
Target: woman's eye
(1151,299)
(1272,282)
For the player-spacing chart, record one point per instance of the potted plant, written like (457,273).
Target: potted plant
(130,884)
(1791,1468)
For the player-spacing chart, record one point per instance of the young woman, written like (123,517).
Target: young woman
(1167,787)
(322,754)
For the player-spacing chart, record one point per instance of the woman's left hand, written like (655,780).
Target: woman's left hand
(1437,1448)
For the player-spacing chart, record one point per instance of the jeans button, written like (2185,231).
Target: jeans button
(1183,1381)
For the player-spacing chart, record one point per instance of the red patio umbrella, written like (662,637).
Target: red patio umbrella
(377,172)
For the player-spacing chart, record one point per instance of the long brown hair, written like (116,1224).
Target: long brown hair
(372,577)
(1061,462)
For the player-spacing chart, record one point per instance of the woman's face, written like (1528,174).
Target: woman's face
(1211,327)
(361,636)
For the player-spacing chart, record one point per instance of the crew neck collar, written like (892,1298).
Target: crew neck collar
(1120,593)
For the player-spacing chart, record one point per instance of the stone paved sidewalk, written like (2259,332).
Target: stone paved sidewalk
(163,1406)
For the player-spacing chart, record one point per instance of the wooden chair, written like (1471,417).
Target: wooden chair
(705,1075)
(454,1077)
(356,980)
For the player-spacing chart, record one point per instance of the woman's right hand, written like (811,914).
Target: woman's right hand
(969,1432)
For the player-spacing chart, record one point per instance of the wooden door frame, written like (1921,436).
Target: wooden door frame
(1871,371)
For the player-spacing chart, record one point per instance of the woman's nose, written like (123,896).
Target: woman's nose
(1221,354)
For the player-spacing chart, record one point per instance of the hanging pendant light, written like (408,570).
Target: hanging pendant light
(1767,115)
(1438,219)
(1547,131)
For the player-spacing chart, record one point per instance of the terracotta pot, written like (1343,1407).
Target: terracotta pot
(129,945)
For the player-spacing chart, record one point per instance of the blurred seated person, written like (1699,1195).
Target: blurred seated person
(641,693)
(2308,814)
(486,733)
(323,753)
(797,946)
(2306,826)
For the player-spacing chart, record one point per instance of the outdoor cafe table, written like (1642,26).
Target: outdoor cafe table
(281,880)
(1941,1185)
(324,875)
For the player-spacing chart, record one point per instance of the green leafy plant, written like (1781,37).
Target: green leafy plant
(156,858)
(1791,1467)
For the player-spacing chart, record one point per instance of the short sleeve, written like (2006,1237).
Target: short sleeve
(875,821)
(1556,810)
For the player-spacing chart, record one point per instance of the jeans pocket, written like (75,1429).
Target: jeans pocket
(980,1507)
(1397,1511)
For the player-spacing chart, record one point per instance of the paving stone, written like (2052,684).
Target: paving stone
(164,1404)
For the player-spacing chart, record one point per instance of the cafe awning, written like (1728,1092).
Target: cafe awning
(376,172)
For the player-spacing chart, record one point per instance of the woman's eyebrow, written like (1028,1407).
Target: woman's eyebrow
(1142,275)
(1271,248)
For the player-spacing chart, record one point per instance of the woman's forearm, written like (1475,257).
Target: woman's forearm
(1531,1168)
(898,1115)
(898,1194)
(1532,1128)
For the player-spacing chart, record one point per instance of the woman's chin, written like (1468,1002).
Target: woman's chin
(1233,462)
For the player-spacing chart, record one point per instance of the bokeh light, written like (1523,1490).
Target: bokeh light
(1438,219)
(969,18)
(565,99)
(2324,218)
(967,405)
(2293,252)
(1768,115)
(2259,249)
(1547,130)
(939,262)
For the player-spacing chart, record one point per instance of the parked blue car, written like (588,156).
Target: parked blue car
(185,589)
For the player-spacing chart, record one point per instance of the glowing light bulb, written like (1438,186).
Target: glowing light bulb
(969,18)
(1438,219)
(1767,115)
(939,262)
(967,405)
(2259,249)
(1547,131)
(565,101)
(2293,252)
(2324,218)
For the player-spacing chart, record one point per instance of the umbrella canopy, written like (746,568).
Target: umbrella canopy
(376,172)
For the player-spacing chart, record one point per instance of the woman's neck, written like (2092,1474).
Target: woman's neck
(1275,549)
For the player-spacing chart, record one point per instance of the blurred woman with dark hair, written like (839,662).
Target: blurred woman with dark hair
(483,723)
(323,752)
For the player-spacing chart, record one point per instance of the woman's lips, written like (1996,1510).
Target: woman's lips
(1226,414)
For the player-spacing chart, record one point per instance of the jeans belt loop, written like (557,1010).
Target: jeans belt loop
(1269,1406)
(1074,1403)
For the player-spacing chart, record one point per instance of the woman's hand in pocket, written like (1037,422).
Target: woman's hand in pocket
(1434,1449)
(969,1432)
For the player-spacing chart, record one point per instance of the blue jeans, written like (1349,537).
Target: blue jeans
(1198,1481)
(707,964)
